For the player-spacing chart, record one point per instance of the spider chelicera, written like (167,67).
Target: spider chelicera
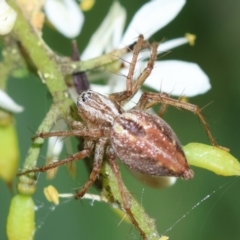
(142,141)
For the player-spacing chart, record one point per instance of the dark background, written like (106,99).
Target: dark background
(216,24)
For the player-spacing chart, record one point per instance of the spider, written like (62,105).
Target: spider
(142,141)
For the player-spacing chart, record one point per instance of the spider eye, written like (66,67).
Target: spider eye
(84,97)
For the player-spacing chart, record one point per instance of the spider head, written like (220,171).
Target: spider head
(96,108)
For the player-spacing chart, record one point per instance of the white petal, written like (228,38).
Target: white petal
(109,33)
(178,78)
(65,15)
(151,17)
(164,47)
(168,45)
(103,89)
(7,103)
(117,83)
(55,145)
(7,18)
(132,103)
(154,181)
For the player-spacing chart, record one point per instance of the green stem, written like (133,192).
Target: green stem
(68,68)
(113,194)
(27,183)
(40,54)
(12,60)
(42,58)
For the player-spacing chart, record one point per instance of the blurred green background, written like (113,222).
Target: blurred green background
(217,51)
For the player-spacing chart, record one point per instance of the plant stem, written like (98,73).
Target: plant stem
(113,194)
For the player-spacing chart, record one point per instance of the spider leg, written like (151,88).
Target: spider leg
(77,156)
(134,86)
(92,133)
(149,99)
(147,71)
(125,198)
(137,48)
(162,110)
(98,158)
(121,96)
(164,105)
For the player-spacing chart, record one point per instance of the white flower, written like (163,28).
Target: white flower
(174,77)
(7,103)
(65,15)
(7,18)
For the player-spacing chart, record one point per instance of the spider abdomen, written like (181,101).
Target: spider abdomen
(147,144)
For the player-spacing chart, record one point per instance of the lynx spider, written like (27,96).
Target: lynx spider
(110,130)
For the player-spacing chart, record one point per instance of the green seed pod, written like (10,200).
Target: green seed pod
(20,222)
(9,152)
(212,158)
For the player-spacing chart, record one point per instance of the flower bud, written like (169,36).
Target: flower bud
(212,158)
(9,152)
(7,18)
(20,222)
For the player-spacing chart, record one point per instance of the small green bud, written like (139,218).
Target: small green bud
(212,158)
(20,222)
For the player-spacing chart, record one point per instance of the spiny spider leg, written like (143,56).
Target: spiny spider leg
(93,133)
(163,107)
(149,99)
(137,48)
(77,156)
(97,163)
(125,199)
(162,110)
(121,96)
(136,85)
(147,71)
